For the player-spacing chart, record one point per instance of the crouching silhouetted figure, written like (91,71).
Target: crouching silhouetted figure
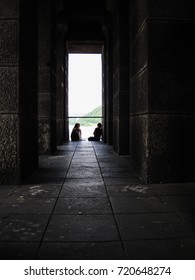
(97,133)
(76,132)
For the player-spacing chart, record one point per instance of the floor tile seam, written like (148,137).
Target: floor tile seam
(50,216)
(41,197)
(158,238)
(85,177)
(122,196)
(138,196)
(90,197)
(115,221)
(9,194)
(164,238)
(84,197)
(10,215)
(88,241)
(69,214)
(78,242)
(86,214)
(175,212)
(143,213)
(83,214)
(177,196)
(20,241)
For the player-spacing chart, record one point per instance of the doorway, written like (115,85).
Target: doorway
(84,91)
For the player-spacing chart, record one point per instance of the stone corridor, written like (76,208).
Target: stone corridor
(84,202)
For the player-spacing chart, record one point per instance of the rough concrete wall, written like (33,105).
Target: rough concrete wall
(18,98)
(44,77)
(162,86)
(121,79)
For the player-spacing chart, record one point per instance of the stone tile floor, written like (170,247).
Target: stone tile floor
(85,202)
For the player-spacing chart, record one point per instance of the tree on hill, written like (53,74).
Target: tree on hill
(89,119)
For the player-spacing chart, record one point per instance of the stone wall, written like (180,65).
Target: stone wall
(44,77)
(162,86)
(107,76)
(139,86)
(61,130)
(121,78)
(18,90)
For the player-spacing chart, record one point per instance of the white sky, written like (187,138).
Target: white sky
(85,83)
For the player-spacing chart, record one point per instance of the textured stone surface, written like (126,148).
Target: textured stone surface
(28,205)
(139,12)
(9,8)
(28,145)
(171,148)
(151,226)
(121,139)
(81,251)
(60,131)
(139,143)
(144,231)
(172,9)
(44,79)
(142,204)
(9,165)
(171,43)
(120,55)
(124,136)
(44,54)
(91,228)
(44,28)
(44,136)
(124,104)
(8,89)
(9,42)
(44,104)
(139,52)
(121,79)
(171,91)
(139,93)
(116,106)
(18,250)
(44,8)
(22,227)
(82,206)
(169,249)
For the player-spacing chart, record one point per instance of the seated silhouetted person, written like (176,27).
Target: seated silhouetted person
(76,132)
(97,133)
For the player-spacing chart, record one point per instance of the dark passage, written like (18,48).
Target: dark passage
(130,197)
(84,202)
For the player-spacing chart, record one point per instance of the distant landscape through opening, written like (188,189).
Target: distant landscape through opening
(85,92)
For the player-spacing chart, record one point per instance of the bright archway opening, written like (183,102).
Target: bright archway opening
(85,92)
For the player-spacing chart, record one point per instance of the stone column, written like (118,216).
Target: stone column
(121,78)
(139,87)
(44,77)
(60,77)
(108,86)
(162,90)
(18,90)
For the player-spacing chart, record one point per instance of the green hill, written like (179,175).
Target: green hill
(89,119)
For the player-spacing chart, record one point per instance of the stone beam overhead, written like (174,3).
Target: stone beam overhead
(84,48)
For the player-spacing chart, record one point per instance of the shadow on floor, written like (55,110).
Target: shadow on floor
(85,202)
